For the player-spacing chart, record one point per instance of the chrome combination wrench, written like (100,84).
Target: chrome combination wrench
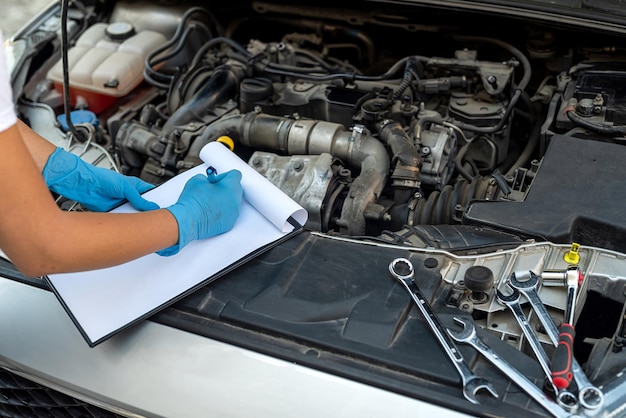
(564,398)
(402,270)
(468,336)
(589,396)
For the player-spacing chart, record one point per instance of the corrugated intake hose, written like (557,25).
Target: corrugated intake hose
(446,206)
(407,161)
(356,148)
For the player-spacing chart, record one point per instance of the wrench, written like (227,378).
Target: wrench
(468,336)
(589,396)
(564,398)
(512,301)
(402,270)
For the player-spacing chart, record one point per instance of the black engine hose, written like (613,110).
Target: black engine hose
(409,73)
(527,69)
(66,72)
(402,150)
(221,87)
(521,86)
(441,207)
(593,127)
(178,40)
(304,74)
(405,158)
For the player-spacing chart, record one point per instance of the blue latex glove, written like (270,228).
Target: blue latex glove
(96,188)
(205,208)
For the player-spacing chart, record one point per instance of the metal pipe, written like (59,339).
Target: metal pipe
(356,148)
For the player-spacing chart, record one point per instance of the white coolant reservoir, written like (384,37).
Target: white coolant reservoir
(106,63)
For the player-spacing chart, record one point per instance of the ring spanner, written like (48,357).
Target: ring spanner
(402,270)
(589,396)
(468,336)
(564,398)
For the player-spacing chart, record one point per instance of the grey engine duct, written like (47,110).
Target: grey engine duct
(356,148)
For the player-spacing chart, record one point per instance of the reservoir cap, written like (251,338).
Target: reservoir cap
(120,31)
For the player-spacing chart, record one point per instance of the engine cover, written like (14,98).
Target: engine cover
(560,205)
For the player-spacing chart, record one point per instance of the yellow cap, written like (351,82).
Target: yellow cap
(572,257)
(228,141)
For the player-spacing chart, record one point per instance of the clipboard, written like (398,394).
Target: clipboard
(103,302)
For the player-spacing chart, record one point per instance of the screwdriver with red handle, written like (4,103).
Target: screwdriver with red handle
(563,355)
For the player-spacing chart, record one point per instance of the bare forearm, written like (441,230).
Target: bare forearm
(86,241)
(38,147)
(41,239)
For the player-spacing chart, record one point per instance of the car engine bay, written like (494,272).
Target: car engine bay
(462,137)
(368,138)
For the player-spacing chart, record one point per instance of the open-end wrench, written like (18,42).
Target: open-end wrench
(589,396)
(402,270)
(529,289)
(564,398)
(468,336)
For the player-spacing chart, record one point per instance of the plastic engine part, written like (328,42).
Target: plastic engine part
(560,206)
(102,69)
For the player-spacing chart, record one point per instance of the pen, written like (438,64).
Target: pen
(211,174)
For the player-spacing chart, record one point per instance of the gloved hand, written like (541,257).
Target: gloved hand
(206,208)
(96,188)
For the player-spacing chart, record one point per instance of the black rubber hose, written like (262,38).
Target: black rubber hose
(402,149)
(277,69)
(593,127)
(66,72)
(528,150)
(176,41)
(406,80)
(159,79)
(458,162)
(527,69)
(221,87)
(527,73)
(405,157)
(440,206)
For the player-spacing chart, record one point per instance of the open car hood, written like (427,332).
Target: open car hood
(481,141)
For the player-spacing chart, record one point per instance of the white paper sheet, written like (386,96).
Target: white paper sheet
(101,302)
